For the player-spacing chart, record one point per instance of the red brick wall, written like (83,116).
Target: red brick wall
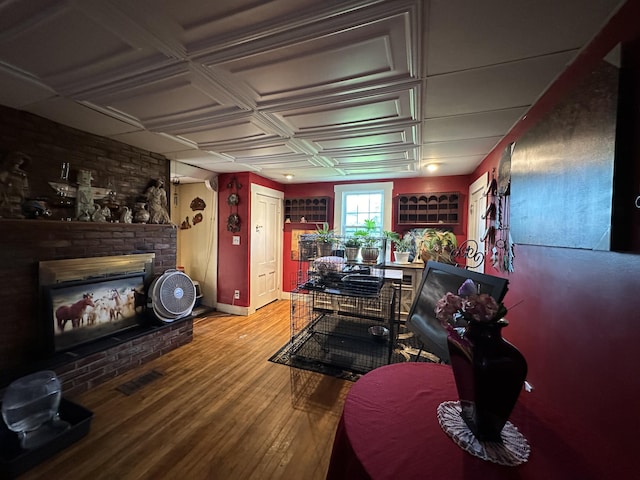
(23,243)
(83,374)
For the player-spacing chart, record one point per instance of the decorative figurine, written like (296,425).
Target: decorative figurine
(14,185)
(157,198)
(84,198)
(185,225)
(141,213)
(126,216)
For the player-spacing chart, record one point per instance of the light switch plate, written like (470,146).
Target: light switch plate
(235,240)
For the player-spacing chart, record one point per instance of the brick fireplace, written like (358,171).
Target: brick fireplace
(24,243)
(25,346)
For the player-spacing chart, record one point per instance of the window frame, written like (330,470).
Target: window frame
(387,201)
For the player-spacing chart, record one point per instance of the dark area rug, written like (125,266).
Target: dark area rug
(339,358)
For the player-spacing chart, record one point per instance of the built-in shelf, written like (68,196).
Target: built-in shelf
(436,208)
(312,209)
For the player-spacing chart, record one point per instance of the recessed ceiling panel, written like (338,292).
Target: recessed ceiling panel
(204,21)
(64,44)
(210,136)
(367,112)
(260,151)
(400,136)
(327,62)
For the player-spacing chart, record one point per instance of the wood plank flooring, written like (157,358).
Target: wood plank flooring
(220,410)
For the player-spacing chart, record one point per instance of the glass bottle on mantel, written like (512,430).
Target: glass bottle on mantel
(489,373)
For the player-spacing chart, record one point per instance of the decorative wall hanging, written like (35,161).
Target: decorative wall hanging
(233,222)
(197,218)
(197,204)
(498,235)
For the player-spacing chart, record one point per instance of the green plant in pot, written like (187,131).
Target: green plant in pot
(438,245)
(325,238)
(352,248)
(369,250)
(401,246)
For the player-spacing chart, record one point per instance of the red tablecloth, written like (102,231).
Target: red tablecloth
(389,430)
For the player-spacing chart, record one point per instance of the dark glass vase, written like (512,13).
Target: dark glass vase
(489,373)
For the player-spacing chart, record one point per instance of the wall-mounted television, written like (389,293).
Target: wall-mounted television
(437,280)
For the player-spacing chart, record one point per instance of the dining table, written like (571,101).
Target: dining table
(389,429)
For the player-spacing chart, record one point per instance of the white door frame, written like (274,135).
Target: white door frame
(278,228)
(475,223)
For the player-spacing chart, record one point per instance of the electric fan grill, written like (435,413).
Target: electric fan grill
(172,296)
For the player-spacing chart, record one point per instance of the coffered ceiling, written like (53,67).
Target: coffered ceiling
(326,90)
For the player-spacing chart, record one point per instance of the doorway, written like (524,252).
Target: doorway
(476,222)
(266,245)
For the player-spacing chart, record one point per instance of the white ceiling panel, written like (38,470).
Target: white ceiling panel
(208,135)
(459,127)
(371,111)
(154,142)
(383,138)
(459,148)
(516,84)
(327,91)
(82,117)
(327,62)
(463,35)
(18,89)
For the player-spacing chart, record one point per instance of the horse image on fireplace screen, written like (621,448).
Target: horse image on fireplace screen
(80,312)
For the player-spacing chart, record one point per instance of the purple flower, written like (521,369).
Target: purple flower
(468,288)
(470,305)
(447,306)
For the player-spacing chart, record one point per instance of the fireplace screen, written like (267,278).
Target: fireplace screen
(80,312)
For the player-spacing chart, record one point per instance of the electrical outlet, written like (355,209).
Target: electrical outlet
(236,294)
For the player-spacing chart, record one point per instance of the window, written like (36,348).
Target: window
(357,202)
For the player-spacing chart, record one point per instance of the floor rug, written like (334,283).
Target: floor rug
(309,352)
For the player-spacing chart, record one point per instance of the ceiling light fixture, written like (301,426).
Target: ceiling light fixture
(432,167)
(288,176)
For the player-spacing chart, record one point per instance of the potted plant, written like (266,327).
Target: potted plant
(325,239)
(352,248)
(402,246)
(438,245)
(369,250)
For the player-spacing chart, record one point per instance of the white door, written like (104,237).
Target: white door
(266,245)
(476,224)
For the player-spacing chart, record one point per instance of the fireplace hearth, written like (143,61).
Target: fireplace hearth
(101,347)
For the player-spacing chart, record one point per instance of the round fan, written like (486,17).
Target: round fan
(172,295)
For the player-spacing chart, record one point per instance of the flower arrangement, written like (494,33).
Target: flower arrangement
(469,305)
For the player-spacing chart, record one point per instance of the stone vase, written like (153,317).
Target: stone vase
(489,374)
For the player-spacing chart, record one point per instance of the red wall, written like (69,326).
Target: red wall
(410,185)
(234,271)
(578,323)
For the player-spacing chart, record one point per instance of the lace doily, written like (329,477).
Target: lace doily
(514,449)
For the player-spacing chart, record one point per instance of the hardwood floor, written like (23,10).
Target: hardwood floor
(220,411)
